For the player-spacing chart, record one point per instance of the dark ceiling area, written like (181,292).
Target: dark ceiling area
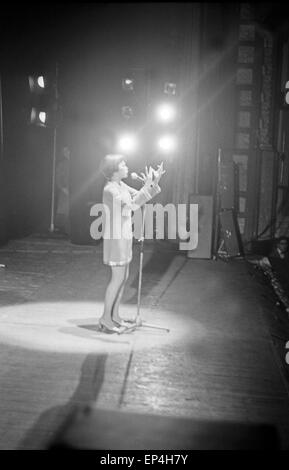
(273,16)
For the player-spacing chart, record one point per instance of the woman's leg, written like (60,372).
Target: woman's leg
(115,308)
(112,292)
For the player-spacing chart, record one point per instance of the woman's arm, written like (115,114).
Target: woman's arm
(132,191)
(148,191)
(145,194)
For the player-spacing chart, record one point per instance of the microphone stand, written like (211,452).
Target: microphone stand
(138,322)
(1,139)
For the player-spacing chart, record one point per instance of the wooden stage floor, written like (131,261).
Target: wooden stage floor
(221,361)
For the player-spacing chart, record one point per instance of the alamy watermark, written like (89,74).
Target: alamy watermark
(181,222)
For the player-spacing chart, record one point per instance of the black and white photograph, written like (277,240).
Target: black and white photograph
(144,229)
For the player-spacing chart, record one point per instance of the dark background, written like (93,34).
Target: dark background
(95,46)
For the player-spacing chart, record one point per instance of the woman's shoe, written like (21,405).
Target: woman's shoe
(126,327)
(124,323)
(131,321)
(105,329)
(119,324)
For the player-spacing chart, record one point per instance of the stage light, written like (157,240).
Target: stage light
(45,110)
(127,112)
(39,118)
(42,117)
(40,81)
(33,115)
(170,88)
(37,84)
(166,112)
(128,84)
(39,100)
(287,93)
(167,143)
(127,143)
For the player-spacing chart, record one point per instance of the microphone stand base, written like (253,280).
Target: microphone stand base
(140,323)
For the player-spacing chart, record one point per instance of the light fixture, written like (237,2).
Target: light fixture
(39,118)
(166,112)
(127,112)
(170,88)
(128,84)
(40,81)
(167,143)
(42,117)
(37,83)
(127,143)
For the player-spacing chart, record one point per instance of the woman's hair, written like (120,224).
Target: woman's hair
(109,164)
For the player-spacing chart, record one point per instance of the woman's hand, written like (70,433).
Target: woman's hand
(158,173)
(151,176)
(147,177)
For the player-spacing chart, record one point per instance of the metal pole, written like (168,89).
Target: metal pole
(143,209)
(54,151)
(197,165)
(1,139)
(138,321)
(53,180)
(1,124)
(217,206)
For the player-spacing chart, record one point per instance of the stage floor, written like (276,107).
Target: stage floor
(221,361)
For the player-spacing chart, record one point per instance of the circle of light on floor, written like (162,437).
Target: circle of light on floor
(72,327)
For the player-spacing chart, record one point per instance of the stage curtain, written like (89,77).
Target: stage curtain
(184,167)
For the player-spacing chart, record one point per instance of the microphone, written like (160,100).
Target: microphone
(135,176)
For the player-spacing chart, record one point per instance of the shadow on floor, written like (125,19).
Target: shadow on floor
(87,391)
